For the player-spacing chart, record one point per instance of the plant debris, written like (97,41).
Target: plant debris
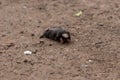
(79,13)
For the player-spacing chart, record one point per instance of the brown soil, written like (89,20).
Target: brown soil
(93,54)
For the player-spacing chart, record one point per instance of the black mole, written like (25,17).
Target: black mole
(57,34)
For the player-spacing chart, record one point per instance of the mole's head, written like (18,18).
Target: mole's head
(65,37)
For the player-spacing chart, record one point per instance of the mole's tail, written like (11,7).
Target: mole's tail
(42,36)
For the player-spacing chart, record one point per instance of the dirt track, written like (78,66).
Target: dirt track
(93,54)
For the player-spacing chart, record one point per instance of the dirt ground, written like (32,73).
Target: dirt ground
(93,54)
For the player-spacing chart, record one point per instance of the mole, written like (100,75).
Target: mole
(57,34)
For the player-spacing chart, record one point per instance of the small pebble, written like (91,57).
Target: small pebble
(25,61)
(84,65)
(27,52)
(50,44)
(32,34)
(90,61)
(21,32)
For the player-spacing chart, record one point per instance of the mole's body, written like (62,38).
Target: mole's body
(57,34)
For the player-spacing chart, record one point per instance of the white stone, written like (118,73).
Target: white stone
(27,52)
(90,61)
